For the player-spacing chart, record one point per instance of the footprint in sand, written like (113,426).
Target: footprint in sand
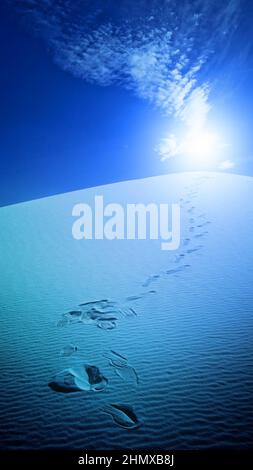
(128,374)
(135,298)
(116,359)
(179,258)
(85,378)
(107,323)
(201,235)
(120,364)
(150,280)
(68,350)
(132,298)
(177,270)
(193,250)
(102,313)
(204,224)
(123,415)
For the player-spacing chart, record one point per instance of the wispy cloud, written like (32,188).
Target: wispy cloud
(158,49)
(168,148)
(226,165)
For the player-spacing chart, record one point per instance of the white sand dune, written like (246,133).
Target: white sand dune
(183,359)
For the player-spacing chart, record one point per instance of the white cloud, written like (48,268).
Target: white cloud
(168,148)
(155,48)
(226,165)
(194,112)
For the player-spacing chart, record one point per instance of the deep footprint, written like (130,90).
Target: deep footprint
(78,379)
(122,415)
(204,224)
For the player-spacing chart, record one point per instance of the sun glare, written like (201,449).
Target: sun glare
(201,145)
(197,147)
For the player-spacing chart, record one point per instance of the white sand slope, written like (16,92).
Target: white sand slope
(181,321)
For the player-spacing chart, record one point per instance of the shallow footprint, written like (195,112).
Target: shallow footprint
(132,298)
(105,324)
(177,270)
(193,250)
(105,313)
(123,415)
(150,280)
(101,313)
(73,316)
(135,298)
(122,368)
(201,235)
(63,321)
(68,350)
(128,374)
(207,222)
(116,359)
(179,258)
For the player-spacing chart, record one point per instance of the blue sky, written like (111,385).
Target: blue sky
(93,93)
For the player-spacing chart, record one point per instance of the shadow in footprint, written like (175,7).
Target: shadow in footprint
(122,415)
(78,379)
(102,313)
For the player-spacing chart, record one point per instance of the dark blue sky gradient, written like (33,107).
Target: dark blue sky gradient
(59,133)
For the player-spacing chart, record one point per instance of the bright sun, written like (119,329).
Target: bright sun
(198,146)
(201,145)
